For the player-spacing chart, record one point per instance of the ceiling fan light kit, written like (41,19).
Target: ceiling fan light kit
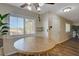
(36,5)
(38,9)
(29,8)
(68,9)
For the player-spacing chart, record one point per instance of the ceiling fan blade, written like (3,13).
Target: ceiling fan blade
(23,5)
(50,3)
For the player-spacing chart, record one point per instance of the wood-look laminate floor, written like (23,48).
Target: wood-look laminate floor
(68,48)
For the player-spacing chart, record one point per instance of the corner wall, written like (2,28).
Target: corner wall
(65,35)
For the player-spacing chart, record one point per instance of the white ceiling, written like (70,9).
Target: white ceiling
(58,9)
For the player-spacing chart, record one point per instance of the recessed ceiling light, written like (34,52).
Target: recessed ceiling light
(29,8)
(68,9)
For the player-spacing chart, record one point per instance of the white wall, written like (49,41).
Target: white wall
(54,21)
(44,21)
(39,24)
(57,33)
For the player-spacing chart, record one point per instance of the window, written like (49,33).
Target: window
(16,25)
(67,27)
(20,26)
(29,26)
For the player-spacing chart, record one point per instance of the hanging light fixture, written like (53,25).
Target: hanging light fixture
(29,6)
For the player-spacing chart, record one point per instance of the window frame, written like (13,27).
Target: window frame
(24,31)
(17,28)
(67,27)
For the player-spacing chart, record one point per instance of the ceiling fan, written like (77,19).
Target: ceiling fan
(36,5)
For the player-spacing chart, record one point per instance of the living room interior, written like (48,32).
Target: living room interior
(39,29)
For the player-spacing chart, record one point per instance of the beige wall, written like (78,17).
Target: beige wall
(64,35)
(44,21)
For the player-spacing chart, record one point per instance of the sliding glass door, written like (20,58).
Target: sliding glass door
(20,26)
(16,25)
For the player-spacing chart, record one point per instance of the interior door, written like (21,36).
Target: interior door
(54,28)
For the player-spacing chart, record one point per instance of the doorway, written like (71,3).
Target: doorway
(29,26)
